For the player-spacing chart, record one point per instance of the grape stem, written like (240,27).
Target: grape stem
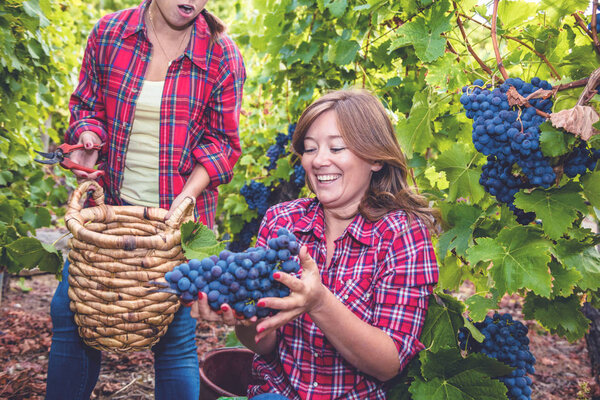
(522,43)
(495,41)
(594,27)
(591,34)
(514,98)
(468,45)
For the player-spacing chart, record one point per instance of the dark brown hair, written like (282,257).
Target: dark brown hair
(368,132)
(215,25)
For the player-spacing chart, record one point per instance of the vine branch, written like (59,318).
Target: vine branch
(583,26)
(594,27)
(495,41)
(469,48)
(527,46)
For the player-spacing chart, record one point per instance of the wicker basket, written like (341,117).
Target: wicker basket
(115,251)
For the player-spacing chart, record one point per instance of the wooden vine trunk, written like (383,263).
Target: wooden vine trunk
(115,251)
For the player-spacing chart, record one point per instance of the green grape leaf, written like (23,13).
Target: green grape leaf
(591,188)
(466,386)
(473,330)
(557,208)
(415,133)
(448,362)
(451,273)
(554,142)
(479,305)
(198,241)
(443,320)
(561,315)
(460,217)
(337,7)
(584,259)
(564,279)
(425,35)
(514,13)
(438,76)
(37,217)
(448,376)
(29,253)
(519,257)
(556,10)
(343,52)
(458,162)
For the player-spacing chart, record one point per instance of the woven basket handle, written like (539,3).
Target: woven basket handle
(74,203)
(183,213)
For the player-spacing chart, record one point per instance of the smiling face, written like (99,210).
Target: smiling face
(338,177)
(178,14)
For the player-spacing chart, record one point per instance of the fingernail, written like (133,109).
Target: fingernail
(199,295)
(260,304)
(276,275)
(259,330)
(224,308)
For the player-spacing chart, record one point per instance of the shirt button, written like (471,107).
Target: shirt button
(316,354)
(315,384)
(345,297)
(118,158)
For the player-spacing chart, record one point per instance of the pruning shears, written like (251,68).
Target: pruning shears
(61,155)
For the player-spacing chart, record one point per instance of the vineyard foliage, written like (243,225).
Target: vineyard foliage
(416,56)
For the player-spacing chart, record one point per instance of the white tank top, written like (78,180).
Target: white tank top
(140,175)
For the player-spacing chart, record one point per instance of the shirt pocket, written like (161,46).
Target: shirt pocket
(357,295)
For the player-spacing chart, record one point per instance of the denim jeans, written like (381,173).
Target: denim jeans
(73,367)
(270,396)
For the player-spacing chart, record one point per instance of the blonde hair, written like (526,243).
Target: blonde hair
(368,132)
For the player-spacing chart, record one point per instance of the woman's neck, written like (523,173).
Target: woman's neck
(336,222)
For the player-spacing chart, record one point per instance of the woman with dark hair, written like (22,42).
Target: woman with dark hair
(355,311)
(161,88)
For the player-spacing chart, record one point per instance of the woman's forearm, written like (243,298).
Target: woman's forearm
(366,347)
(197,181)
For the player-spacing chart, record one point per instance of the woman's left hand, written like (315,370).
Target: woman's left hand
(178,200)
(305,296)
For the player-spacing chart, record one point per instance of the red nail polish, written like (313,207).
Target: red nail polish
(199,295)
(224,308)
(259,330)
(260,304)
(276,275)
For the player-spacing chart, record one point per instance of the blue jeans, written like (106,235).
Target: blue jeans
(270,396)
(73,367)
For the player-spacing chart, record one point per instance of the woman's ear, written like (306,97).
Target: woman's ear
(376,166)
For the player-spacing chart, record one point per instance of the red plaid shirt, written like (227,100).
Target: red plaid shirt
(199,113)
(382,271)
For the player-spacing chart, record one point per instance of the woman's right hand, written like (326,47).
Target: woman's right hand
(201,310)
(87,156)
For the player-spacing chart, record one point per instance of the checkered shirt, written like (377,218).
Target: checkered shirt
(383,271)
(199,113)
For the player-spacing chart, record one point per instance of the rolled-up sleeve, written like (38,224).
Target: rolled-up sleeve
(401,292)
(219,149)
(86,102)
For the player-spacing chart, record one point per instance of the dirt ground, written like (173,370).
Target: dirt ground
(562,370)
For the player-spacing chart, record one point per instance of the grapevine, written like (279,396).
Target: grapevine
(510,137)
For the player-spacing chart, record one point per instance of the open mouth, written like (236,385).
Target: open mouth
(186,9)
(327,178)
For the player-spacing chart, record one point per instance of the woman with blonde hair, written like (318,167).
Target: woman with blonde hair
(355,311)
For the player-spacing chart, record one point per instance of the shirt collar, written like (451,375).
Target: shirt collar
(198,48)
(361,229)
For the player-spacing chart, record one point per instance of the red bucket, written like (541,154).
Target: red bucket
(226,372)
